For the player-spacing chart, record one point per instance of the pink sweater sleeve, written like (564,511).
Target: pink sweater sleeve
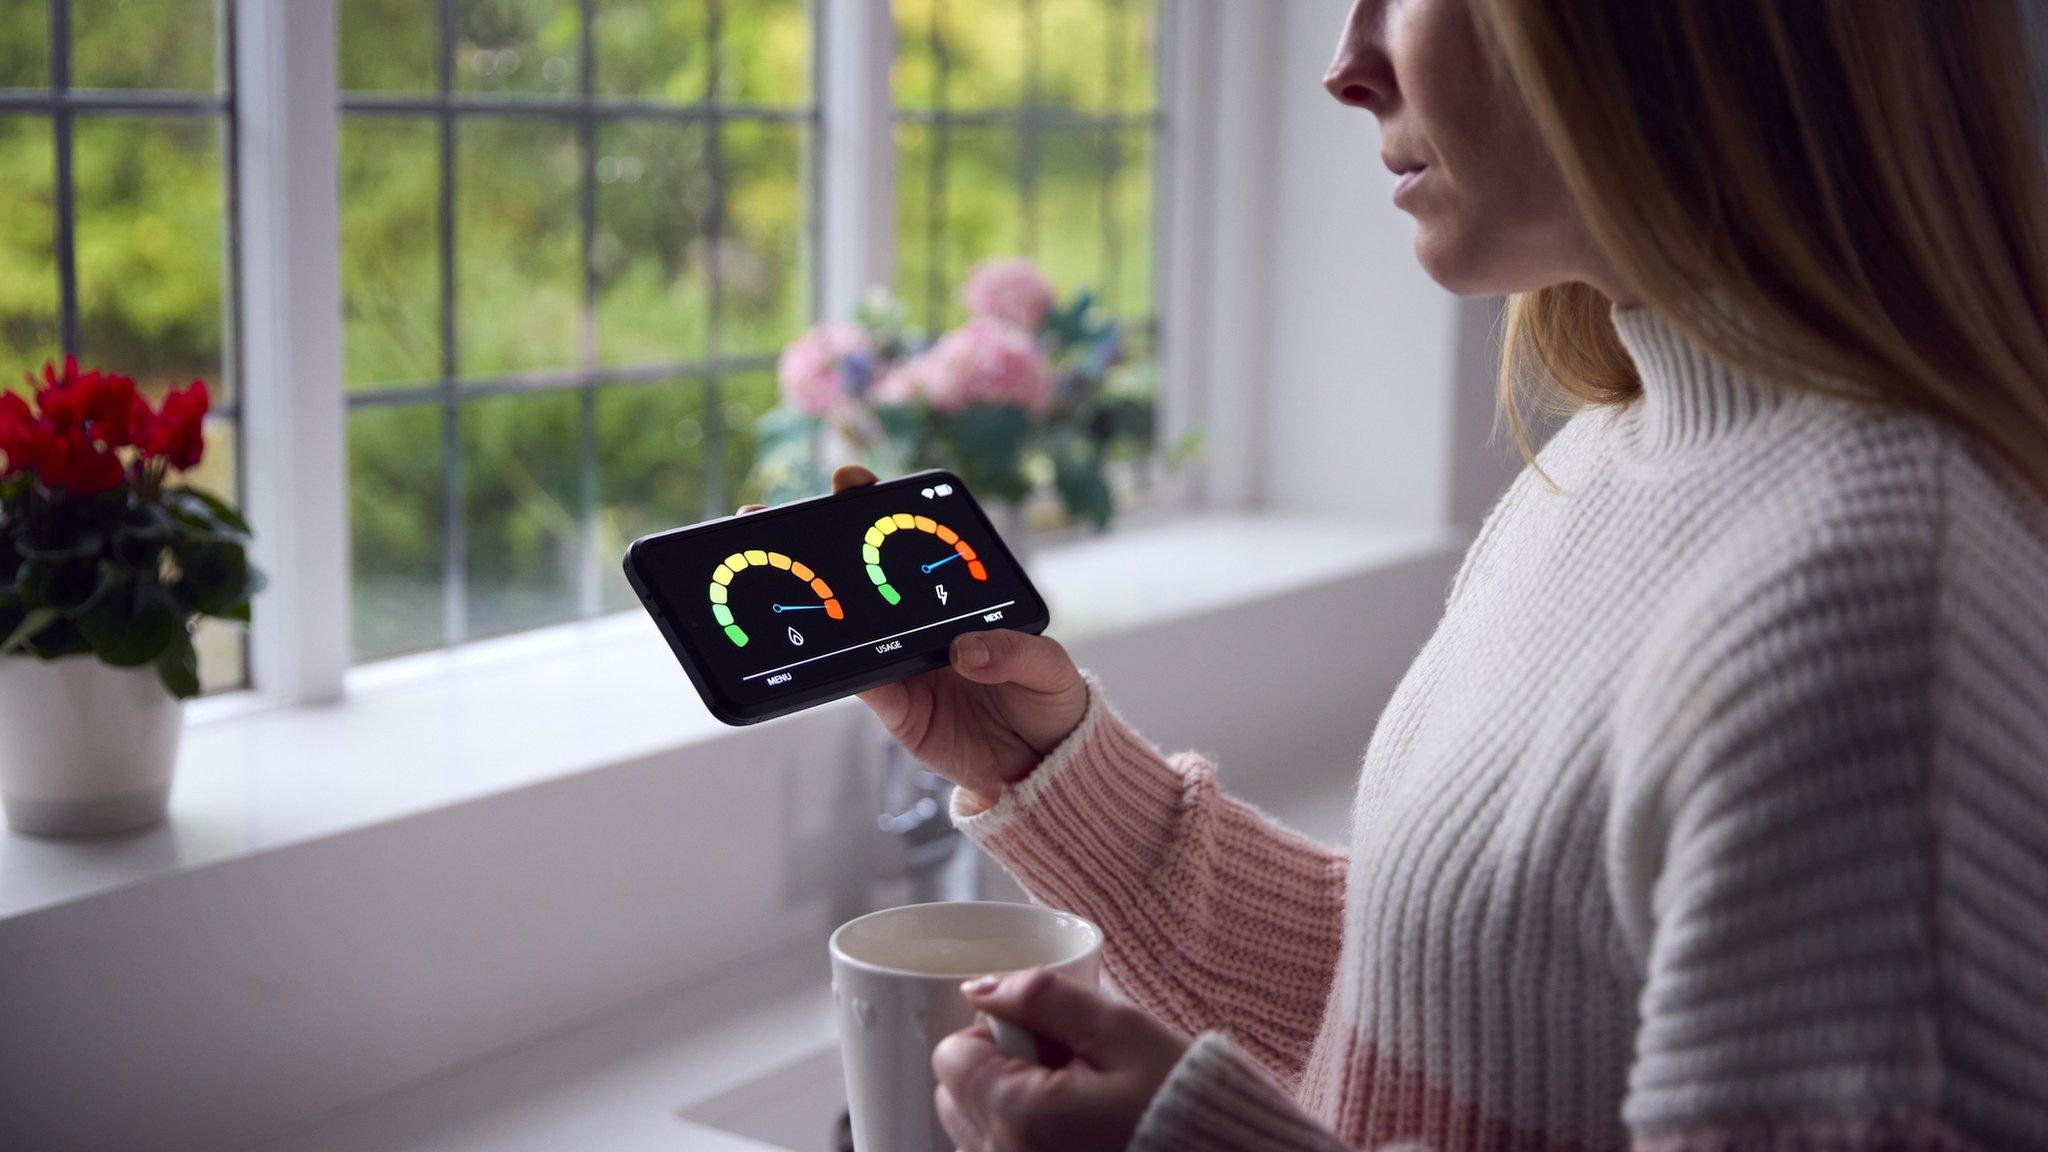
(1216,918)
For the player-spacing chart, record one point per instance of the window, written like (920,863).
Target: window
(117,228)
(574,237)
(1027,127)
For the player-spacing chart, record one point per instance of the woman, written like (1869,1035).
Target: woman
(1714,814)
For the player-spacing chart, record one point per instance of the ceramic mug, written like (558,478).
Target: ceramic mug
(896,990)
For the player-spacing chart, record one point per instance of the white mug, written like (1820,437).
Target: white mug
(896,986)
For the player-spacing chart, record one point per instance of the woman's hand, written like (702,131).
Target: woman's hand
(1091,1103)
(983,723)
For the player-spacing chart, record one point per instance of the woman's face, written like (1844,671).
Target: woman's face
(1492,212)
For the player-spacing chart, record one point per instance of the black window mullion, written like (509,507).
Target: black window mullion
(935,190)
(455,547)
(1116,48)
(66,192)
(714,245)
(590,591)
(1029,139)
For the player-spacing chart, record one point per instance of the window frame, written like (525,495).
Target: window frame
(294,405)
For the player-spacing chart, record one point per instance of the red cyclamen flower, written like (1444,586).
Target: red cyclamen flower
(177,434)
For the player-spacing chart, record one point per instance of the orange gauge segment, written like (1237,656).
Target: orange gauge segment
(878,535)
(733,565)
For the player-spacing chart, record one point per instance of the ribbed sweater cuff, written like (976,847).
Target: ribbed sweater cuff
(1217,1100)
(1102,803)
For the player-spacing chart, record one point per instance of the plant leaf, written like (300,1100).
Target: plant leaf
(178,666)
(32,622)
(132,622)
(207,507)
(1083,488)
(213,577)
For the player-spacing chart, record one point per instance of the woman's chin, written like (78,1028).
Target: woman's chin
(1453,270)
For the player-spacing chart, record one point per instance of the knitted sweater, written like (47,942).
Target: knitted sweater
(1713,816)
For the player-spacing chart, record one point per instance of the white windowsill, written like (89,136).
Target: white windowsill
(438,730)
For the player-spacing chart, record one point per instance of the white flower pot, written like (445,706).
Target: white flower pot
(85,748)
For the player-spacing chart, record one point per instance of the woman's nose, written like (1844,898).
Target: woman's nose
(1361,75)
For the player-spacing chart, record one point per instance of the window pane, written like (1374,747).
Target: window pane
(743,400)
(24,43)
(1128,287)
(654,49)
(653,278)
(765,291)
(958,201)
(917,198)
(981,208)
(1076,41)
(223,654)
(960,53)
(396,528)
(151,255)
(1097,55)
(652,471)
(28,290)
(764,52)
(521,501)
(519,260)
(388,45)
(143,44)
(517,46)
(1134,80)
(1072,181)
(390,251)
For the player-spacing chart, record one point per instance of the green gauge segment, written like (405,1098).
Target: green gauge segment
(871,550)
(738,562)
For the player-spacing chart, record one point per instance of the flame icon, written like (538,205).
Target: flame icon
(796,637)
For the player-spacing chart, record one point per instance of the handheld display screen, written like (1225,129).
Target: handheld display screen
(807,602)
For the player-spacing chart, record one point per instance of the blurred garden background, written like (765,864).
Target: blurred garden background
(575,233)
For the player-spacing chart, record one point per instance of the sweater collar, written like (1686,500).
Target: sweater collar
(1691,396)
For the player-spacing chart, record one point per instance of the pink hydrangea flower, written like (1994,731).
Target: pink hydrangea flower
(899,385)
(811,369)
(984,362)
(1013,291)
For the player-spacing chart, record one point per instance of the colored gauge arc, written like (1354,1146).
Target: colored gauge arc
(871,550)
(738,562)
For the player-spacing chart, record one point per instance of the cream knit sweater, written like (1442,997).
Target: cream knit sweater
(1713,816)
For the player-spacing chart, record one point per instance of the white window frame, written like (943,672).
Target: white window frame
(294,449)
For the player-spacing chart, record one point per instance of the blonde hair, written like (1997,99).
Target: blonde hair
(1861,181)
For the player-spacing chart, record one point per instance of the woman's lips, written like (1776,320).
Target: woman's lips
(1405,187)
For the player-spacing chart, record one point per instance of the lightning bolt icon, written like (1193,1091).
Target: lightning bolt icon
(942,594)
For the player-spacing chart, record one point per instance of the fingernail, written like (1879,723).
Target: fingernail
(979,986)
(970,652)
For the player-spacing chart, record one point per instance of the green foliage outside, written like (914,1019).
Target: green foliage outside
(151,252)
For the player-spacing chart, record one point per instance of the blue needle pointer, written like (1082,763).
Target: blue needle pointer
(798,607)
(936,563)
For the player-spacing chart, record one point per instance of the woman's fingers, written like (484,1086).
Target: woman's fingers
(1061,1010)
(957,1123)
(850,476)
(967,1065)
(890,703)
(1006,657)
(746,508)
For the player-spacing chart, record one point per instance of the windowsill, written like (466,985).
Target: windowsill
(432,731)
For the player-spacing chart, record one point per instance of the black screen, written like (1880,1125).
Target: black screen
(788,607)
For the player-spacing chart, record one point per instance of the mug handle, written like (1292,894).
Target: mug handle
(1013,1040)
